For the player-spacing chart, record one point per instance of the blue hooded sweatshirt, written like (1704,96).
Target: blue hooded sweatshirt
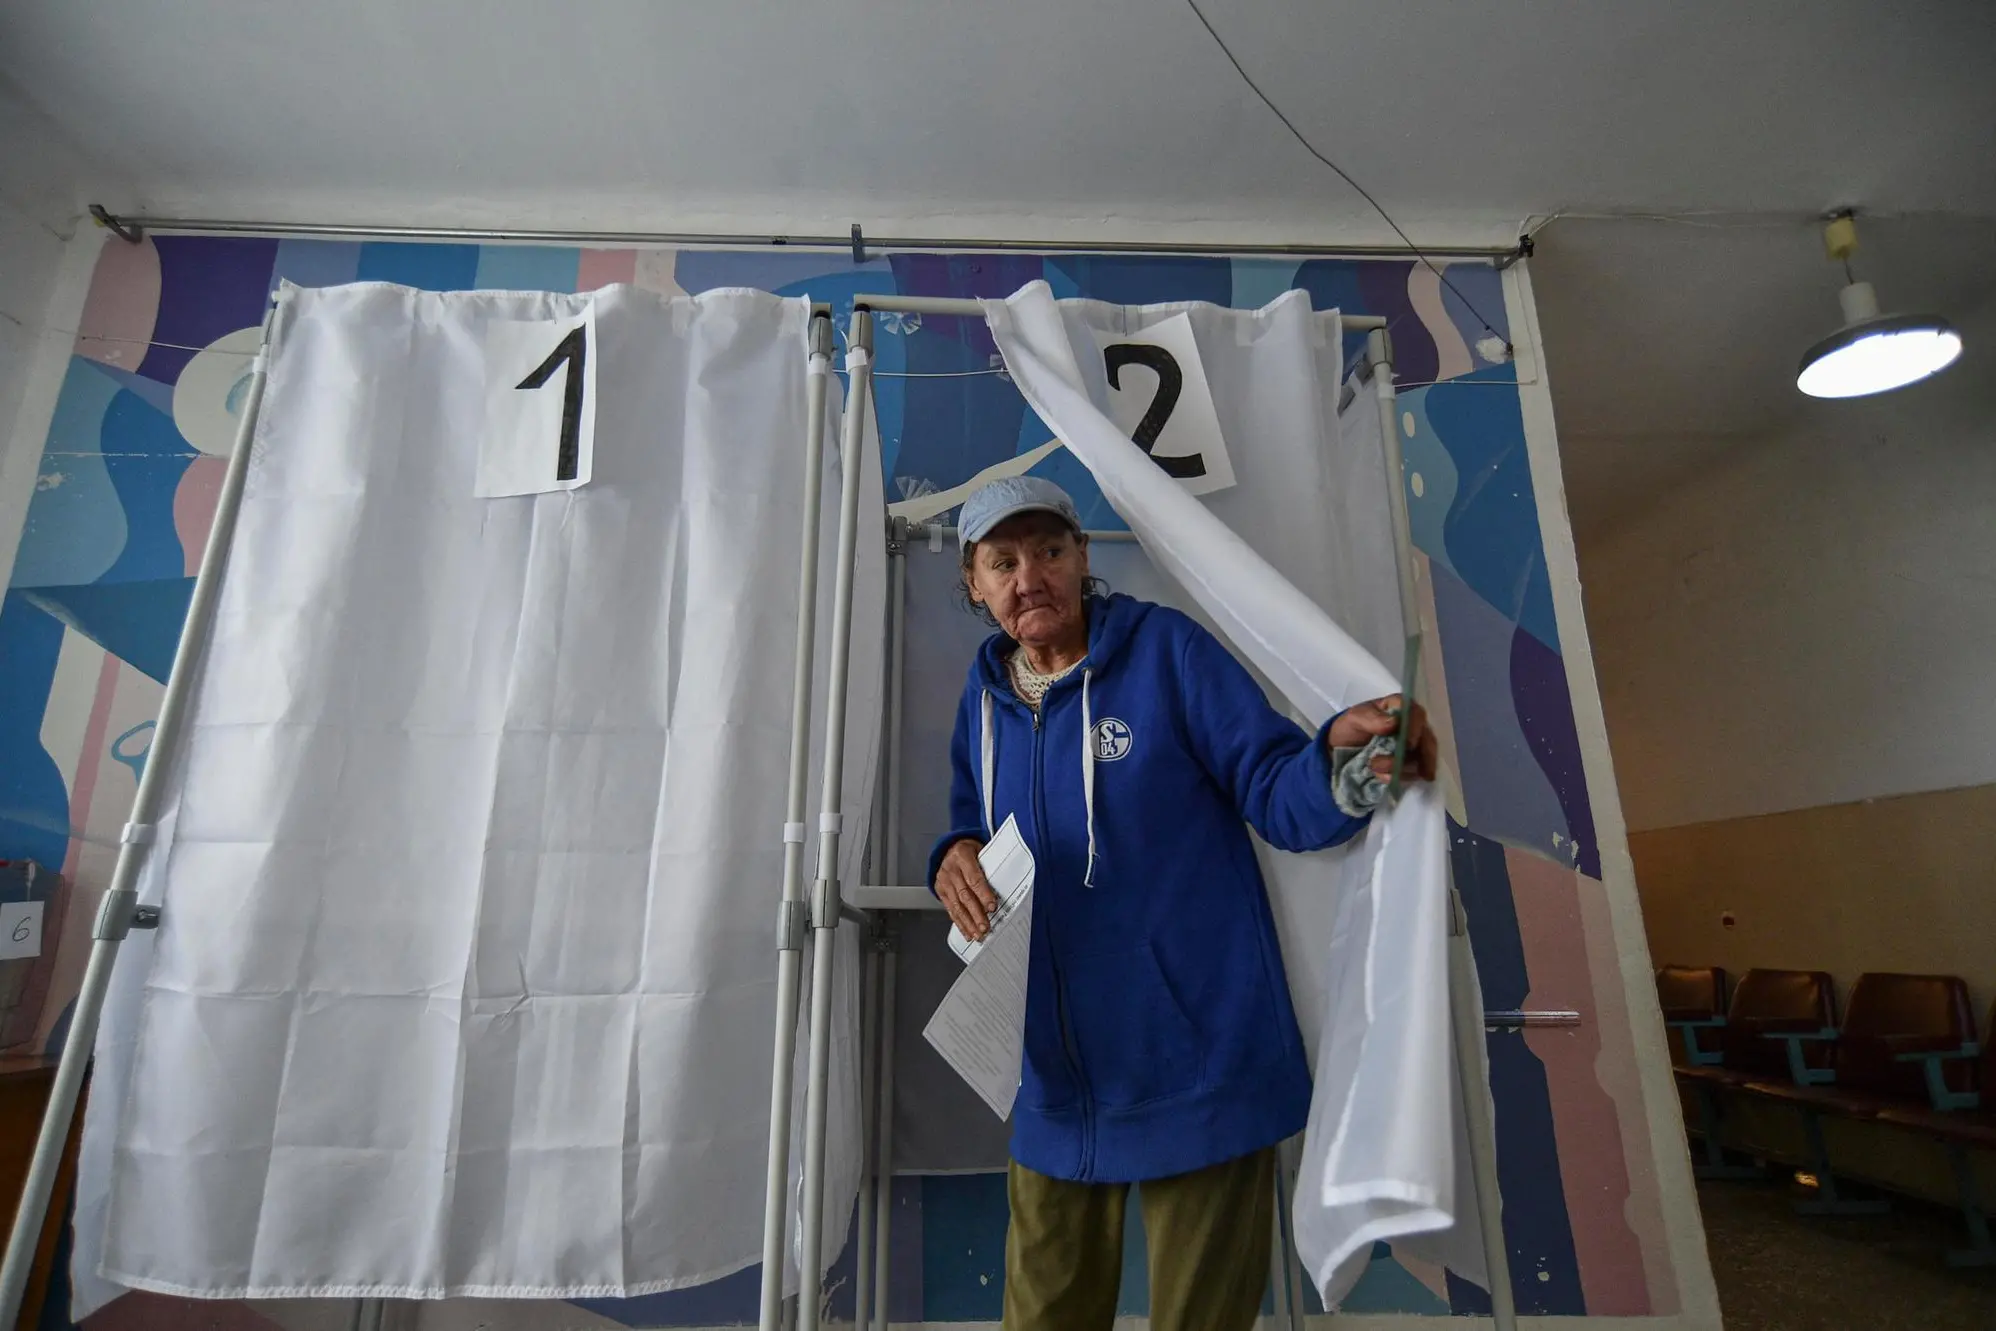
(1159,1033)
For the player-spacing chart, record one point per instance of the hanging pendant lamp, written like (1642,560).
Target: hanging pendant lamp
(1872,353)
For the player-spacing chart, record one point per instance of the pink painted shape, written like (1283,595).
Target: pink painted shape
(52,987)
(1618,1075)
(123,303)
(194,507)
(602,268)
(84,785)
(139,1311)
(1586,1125)
(1434,682)
(1424,292)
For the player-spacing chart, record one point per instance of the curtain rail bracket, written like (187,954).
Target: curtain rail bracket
(1524,251)
(858,246)
(131,235)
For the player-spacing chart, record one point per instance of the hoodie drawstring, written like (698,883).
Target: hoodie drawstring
(1088,773)
(990,742)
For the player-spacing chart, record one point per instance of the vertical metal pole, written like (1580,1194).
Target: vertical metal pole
(1291,1276)
(883,1214)
(825,902)
(869,1026)
(1465,1003)
(1466,1009)
(1380,355)
(116,911)
(883,1147)
(869,1008)
(790,917)
(897,656)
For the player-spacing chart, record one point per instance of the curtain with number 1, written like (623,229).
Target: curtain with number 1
(471,855)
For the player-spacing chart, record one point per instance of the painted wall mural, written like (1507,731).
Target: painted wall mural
(127,488)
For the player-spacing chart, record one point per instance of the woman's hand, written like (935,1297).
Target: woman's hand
(1356,727)
(964,892)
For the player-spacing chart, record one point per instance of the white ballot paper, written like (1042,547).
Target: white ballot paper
(980,1028)
(1008,867)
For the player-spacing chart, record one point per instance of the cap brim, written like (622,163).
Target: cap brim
(966,537)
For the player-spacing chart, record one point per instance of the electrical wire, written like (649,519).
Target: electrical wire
(1709,219)
(1342,174)
(82,336)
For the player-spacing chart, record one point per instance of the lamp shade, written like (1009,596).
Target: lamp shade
(1875,353)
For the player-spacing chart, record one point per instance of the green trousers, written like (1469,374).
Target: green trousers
(1208,1232)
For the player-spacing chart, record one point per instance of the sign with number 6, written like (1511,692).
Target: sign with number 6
(540,406)
(20,929)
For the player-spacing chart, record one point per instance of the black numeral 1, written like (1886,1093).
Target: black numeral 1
(574,350)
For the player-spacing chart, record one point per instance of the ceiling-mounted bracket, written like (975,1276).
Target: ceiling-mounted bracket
(131,235)
(858,246)
(1524,251)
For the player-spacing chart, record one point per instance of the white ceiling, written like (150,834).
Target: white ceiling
(1051,119)
(1046,108)
(1670,343)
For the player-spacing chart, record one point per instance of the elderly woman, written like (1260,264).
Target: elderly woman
(1160,1045)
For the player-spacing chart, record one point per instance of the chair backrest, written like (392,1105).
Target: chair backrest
(1988,1064)
(1772,1002)
(1691,993)
(1889,1014)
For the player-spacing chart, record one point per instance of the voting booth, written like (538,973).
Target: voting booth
(1385,899)
(494,636)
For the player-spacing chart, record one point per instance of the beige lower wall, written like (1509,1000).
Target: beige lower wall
(1896,1159)
(1901,884)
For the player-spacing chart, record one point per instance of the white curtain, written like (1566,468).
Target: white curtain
(471,856)
(1293,566)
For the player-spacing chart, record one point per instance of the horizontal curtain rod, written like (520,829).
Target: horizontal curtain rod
(133,228)
(921,531)
(974,309)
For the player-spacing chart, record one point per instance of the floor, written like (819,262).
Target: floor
(1778,1271)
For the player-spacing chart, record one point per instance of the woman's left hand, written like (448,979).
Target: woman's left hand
(1357,725)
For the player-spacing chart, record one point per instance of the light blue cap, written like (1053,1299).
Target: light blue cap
(1007,498)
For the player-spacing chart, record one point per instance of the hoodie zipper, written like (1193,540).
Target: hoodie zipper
(1067,1042)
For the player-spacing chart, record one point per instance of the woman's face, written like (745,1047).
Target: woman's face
(1029,571)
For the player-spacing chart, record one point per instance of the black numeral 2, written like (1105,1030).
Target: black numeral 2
(574,350)
(1170,383)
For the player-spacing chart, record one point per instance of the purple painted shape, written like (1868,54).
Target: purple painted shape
(1415,360)
(208,286)
(964,277)
(1545,715)
(1504,788)
(904,1256)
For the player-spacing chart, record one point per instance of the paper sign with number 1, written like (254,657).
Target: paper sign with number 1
(540,405)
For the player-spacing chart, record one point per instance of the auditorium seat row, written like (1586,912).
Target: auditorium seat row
(1905,1055)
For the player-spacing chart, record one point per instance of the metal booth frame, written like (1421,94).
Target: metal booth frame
(816,912)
